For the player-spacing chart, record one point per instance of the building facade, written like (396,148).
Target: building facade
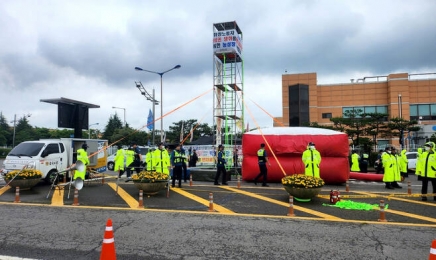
(408,96)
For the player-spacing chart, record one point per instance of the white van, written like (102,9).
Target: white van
(54,155)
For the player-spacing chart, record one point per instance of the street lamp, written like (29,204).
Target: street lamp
(125,125)
(151,99)
(161,94)
(89,130)
(15,123)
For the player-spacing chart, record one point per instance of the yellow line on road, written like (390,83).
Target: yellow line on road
(405,214)
(133,203)
(58,197)
(4,189)
(200,200)
(281,203)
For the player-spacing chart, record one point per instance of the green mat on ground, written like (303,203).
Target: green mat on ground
(348,204)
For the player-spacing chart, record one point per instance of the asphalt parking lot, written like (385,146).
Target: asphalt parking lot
(247,200)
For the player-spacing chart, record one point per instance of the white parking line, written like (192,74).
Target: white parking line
(5,257)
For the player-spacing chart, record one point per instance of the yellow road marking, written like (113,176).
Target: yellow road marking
(200,200)
(133,203)
(4,189)
(405,214)
(58,197)
(281,203)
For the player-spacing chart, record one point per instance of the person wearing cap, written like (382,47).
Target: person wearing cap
(428,169)
(193,159)
(161,159)
(262,160)
(82,156)
(378,162)
(355,162)
(311,159)
(397,169)
(177,159)
(391,169)
(364,161)
(184,165)
(220,166)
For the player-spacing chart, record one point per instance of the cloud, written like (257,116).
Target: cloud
(87,51)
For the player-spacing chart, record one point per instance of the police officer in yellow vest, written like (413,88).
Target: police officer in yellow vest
(364,161)
(82,156)
(130,157)
(177,158)
(428,169)
(262,160)
(311,160)
(162,160)
(149,160)
(119,159)
(403,164)
(355,162)
(391,169)
(418,166)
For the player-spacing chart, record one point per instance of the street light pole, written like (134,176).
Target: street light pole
(15,124)
(89,130)
(153,100)
(125,124)
(161,94)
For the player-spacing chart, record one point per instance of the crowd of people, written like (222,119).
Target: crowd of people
(391,163)
(394,166)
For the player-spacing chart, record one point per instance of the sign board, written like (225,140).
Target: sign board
(227,41)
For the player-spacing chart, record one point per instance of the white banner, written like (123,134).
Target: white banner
(227,42)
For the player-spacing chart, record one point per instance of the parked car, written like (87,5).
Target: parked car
(111,158)
(412,158)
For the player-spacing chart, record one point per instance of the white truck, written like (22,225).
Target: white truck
(55,155)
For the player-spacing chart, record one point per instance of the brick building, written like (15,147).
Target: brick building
(409,96)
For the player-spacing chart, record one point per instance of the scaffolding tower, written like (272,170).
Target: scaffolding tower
(228,81)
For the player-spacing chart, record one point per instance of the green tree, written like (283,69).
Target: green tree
(24,131)
(352,123)
(377,123)
(125,136)
(5,132)
(114,123)
(173,135)
(399,126)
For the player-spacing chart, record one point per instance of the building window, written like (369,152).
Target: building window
(298,105)
(326,115)
(423,112)
(367,109)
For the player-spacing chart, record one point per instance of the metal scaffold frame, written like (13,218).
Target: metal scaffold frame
(228,81)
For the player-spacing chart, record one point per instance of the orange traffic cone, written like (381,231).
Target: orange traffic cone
(108,247)
(433,251)
(17,195)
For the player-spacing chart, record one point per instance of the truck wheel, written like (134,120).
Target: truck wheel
(110,166)
(50,177)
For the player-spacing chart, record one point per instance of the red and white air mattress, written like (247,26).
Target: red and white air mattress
(285,146)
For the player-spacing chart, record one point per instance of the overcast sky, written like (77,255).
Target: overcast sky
(87,51)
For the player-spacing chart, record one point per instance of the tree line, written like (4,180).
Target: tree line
(365,128)
(114,131)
